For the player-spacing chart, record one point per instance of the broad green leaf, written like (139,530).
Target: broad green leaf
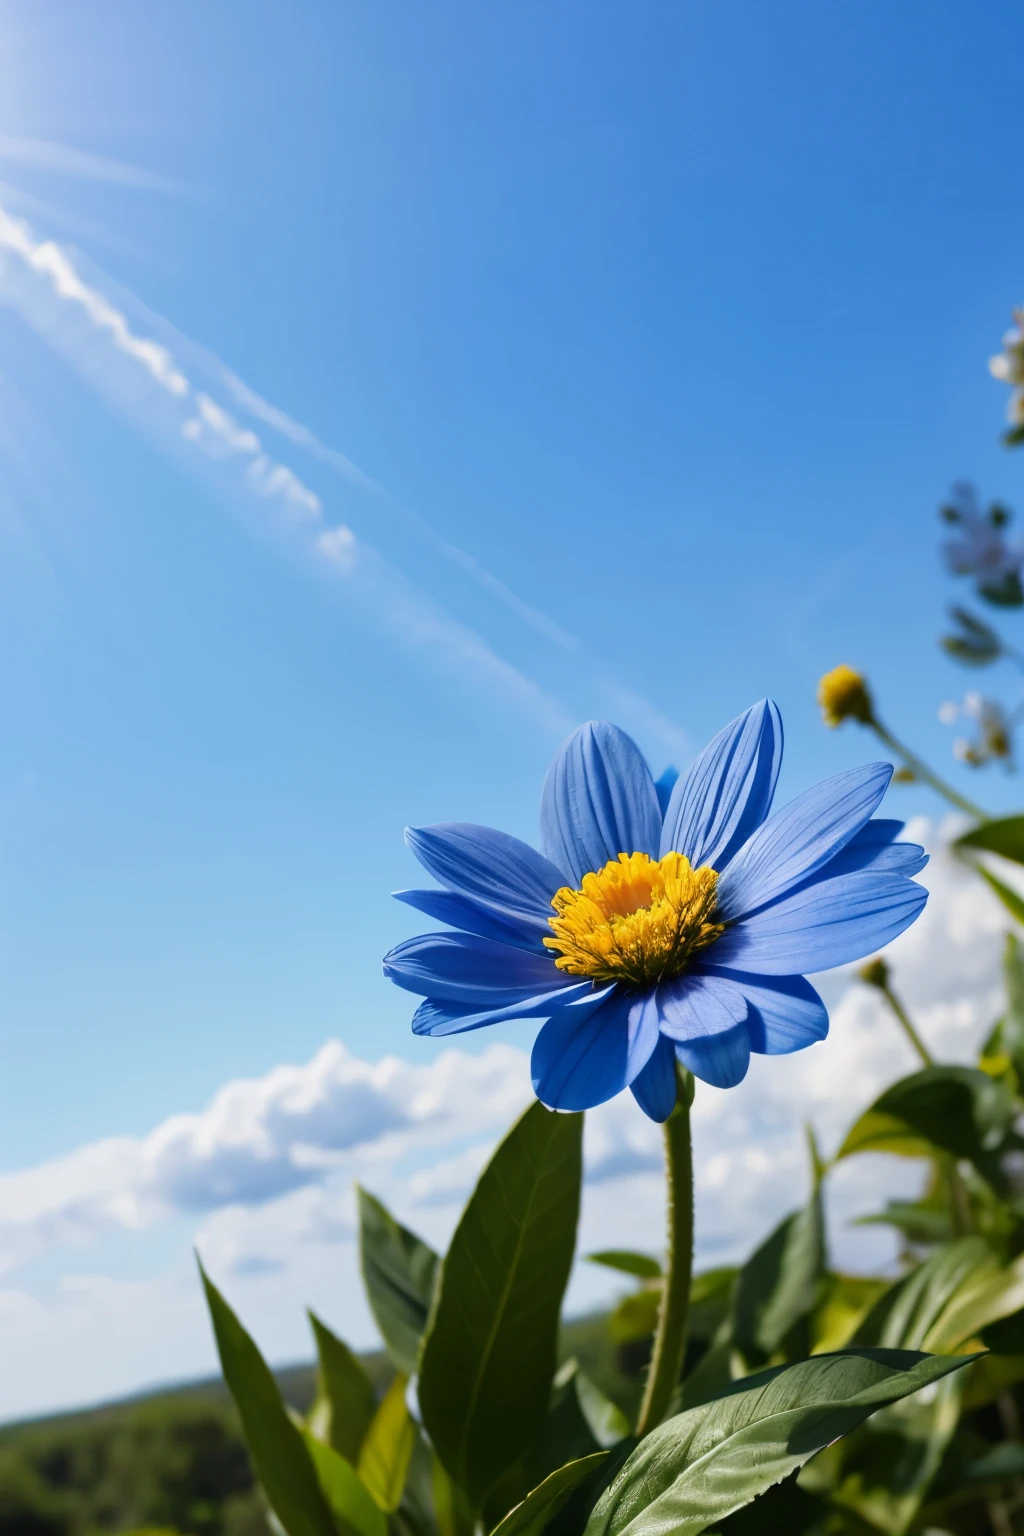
(778,1285)
(453,1515)
(349,1500)
(635,1316)
(346,1401)
(956,1109)
(564,1436)
(531,1516)
(1009,898)
(711,1376)
(399,1274)
(1005,837)
(640,1264)
(387,1448)
(489,1352)
(846,1300)
(279,1450)
(986,1297)
(694,1470)
(884,1470)
(919,1221)
(605,1419)
(947,1300)
(1011,1034)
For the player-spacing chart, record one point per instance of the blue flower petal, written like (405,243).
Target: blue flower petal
(799,839)
(461,968)
(654,1086)
(477,917)
(582,1057)
(786,1014)
(436,1018)
(699,1003)
(598,801)
(825,923)
(721,1060)
(728,792)
(875,847)
(489,866)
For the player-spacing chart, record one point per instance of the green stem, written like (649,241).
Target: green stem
(670,1334)
(908,1029)
(921,771)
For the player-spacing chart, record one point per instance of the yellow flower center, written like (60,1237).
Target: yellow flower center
(638,920)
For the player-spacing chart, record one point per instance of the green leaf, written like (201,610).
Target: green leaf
(454,1516)
(695,1469)
(605,1419)
(1009,898)
(955,1109)
(399,1273)
(1004,836)
(531,1516)
(564,1436)
(920,1221)
(640,1264)
(346,1401)
(778,1286)
(280,1452)
(977,644)
(387,1449)
(1011,1035)
(635,1317)
(947,1300)
(350,1502)
(489,1352)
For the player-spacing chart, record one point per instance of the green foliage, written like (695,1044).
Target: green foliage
(387,1448)
(399,1270)
(280,1450)
(959,1110)
(640,1264)
(1004,836)
(346,1401)
(708,1462)
(778,1287)
(490,1349)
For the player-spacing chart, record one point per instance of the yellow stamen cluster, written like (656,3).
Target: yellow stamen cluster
(637,921)
(843,695)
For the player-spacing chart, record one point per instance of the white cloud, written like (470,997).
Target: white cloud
(145,379)
(66,160)
(175,390)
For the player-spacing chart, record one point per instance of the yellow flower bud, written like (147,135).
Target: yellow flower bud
(843,695)
(875,973)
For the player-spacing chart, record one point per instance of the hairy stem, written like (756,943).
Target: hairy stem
(907,1026)
(919,768)
(670,1334)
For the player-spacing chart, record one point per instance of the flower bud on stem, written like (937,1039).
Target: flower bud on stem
(876,974)
(670,1333)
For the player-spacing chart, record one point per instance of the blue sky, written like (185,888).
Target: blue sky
(672,319)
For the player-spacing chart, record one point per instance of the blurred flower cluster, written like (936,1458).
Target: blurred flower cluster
(981,547)
(1008,367)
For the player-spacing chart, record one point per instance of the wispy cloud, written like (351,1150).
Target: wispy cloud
(66,160)
(202,413)
(144,378)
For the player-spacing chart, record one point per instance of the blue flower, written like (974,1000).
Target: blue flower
(661,922)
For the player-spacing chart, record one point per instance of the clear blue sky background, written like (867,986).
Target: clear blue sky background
(673,315)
